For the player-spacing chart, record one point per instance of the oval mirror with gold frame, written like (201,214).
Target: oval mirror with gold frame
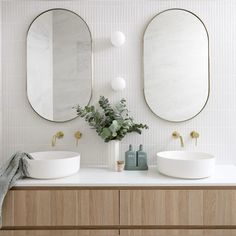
(176,65)
(59,64)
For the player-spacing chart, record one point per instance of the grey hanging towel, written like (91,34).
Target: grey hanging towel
(15,168)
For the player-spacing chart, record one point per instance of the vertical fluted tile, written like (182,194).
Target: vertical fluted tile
(1,107)
(23,129)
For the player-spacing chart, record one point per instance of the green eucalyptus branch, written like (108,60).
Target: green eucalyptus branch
(111,123)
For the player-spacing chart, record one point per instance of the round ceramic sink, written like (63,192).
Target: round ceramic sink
(53,164)
(186,165)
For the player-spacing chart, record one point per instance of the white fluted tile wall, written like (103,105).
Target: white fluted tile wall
(1,110)
(25,130)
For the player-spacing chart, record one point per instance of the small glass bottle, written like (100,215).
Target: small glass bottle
(142,158)
(130,158)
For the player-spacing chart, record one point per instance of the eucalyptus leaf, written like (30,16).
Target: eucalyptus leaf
(114,127)
(112,123)
(105,133)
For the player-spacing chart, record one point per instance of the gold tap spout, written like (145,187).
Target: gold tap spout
(176,135)
(58,135)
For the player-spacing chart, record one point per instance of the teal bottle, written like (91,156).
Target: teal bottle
(142,158)
(130,158)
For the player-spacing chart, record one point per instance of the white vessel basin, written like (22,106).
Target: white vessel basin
(53,164)
(186,165)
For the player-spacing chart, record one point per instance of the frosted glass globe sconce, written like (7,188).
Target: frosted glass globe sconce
(117,39)
(118,84)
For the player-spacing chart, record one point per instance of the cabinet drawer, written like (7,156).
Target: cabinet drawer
(59,232)
(182,232)
(61,207)
(178,207)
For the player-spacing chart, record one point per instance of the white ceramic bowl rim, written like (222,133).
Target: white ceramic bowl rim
(185,155)
(53,155)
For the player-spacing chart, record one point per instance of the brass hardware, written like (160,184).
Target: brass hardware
(194,135)
(78,136)
(58,135)
(176,135)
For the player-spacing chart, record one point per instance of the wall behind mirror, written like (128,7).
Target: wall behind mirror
(59,64)
(176,66)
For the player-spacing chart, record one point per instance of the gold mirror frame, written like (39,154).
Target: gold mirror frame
(91,88)
(208,42)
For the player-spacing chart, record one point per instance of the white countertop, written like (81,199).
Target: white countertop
(225,175)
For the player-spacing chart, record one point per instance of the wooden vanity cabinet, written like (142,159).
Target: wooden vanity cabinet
(179,232)
(127,211)
(61,207)
(59,232)
(178,207)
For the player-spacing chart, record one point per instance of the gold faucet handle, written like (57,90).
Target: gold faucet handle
(175,134)
(195,135)
(78,136)
(58,135)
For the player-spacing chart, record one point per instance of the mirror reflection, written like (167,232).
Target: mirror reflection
(59,64)
(176,65)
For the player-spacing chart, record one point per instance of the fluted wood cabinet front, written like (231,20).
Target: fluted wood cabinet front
(61,208)
(159,211)
(178,207)
(179,232)
(59,232)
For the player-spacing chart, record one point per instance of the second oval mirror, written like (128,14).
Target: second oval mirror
(176,65)
(59,64)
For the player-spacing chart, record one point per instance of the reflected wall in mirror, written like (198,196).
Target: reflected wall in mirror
(176,65)
(59,64)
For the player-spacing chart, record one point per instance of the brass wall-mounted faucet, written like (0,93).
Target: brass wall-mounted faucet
(58,135)
(194,135)
(78,136)
(176,135)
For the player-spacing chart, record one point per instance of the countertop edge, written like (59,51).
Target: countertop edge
(225,176)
